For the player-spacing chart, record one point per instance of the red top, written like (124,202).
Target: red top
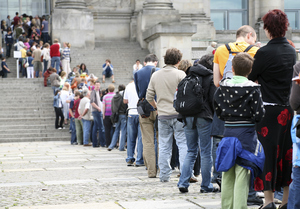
(16,20)
(54,50)
(75,108)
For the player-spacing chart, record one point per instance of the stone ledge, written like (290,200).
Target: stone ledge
(173,29)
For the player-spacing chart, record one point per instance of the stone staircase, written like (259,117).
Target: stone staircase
(27,112)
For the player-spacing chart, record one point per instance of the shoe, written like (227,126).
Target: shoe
(63,127)
(139,165)
(96,146)
(108,149)
(268,206)
(254,201)
(113,81)
(178,175)
(87,145)
(162,180)
(130,163)
(183,190)
(214,189)
(74,143)
(122,150)
(193,180)
(60,128)
(276,201)
(260,194)
(283,206)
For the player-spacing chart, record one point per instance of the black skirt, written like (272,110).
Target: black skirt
(274,133)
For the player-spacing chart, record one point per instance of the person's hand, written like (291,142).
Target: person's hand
(79,118)
(103,117)
(99,109)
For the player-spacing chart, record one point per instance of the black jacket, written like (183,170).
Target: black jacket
(117,103)
(209,90)
(239,103)
(273,69)
(295,92)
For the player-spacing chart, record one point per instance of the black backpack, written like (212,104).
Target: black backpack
(189,98)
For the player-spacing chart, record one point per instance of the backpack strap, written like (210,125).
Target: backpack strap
(228,48)
(248,48)
(152,71)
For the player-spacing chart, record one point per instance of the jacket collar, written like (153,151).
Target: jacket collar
(278,40)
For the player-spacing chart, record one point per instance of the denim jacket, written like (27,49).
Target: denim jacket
(57,101)
(296,142)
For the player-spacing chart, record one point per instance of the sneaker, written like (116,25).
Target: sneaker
(163,180)
(254,201)
(139,165)
(108,149)
(74,143)
(183,189)
(129,163)
(193,180)
(214,189)
(59,128)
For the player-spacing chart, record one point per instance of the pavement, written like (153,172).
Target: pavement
(57,175)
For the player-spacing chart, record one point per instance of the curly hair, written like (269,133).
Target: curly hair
(276,23)
(184,65)
(173,56)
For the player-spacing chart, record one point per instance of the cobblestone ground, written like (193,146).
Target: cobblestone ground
(58,175)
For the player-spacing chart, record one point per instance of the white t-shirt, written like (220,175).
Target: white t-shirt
(132,97)
(135,68)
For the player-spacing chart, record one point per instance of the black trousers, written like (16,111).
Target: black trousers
(108,130)
(59,113)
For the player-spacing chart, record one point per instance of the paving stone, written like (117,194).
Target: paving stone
(152,204)
(81,181)
(20,184)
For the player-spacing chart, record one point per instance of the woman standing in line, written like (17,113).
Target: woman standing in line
(46,56)
(107,113)
(66,58)
(273,70)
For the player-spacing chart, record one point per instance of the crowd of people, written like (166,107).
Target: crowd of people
(232,111)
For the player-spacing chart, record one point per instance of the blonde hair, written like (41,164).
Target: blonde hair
(111,88)
(65,88)
(63,73)
(68,44)
(184,65)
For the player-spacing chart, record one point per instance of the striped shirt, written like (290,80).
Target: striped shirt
(107,101)
(66,54)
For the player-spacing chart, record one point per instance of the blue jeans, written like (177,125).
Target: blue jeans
(294,200)
(86,130)
(133,133)
(121,125)
(8,48)
(45,65)
(45,37)
(55,63)
(166,129)
(73,130)
(195,137)
(98,125)
(216,141)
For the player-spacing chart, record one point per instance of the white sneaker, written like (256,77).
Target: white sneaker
(59,128)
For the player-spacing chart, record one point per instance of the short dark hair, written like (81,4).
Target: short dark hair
(207,61)
(97,82)
(242,64)
(17,13)
(56,92)
(28,54)
(276,23)
(121,87)
(173,56)
(137,61)
(244,30)
(151,58)
(3,58)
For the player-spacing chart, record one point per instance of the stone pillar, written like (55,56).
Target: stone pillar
(266,5)
(154,12)
(73,22)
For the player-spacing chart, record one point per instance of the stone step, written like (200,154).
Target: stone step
(57,134)
(36,131)
(32,139)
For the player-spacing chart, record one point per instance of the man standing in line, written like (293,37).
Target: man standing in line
(55,55)
(98,117)
(16,19)
(37,64)
(163,84)
(245,36)
(141,79)
(85,116)
(133,127)
(45,30)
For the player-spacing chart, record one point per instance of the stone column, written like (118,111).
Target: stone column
(73,22)
(266,5)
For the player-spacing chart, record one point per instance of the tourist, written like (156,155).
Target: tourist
(107,113)
(55,55)
(46,56)
(45,30)
(30,68)
(16,19)
(47,74)
(22,61)
(63,78)
(65,93)
(58,110)
(212,48)
(55,81)
(78,123)
(137,66)
(141,79)
(72,112)
(98,117)
(85,116)
(119,108)
(66,58)
(38,68)
(273,70)
(184,65)
(134,136)
(8,21)
(83,69)
(9,42)
(108,71)
(4,68)
(163,84)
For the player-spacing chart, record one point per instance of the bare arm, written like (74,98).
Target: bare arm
(103,110)
(96,107)
(217,75)
(6,68)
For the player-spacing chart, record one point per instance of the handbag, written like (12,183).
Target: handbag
(144,108)
(26,64)
(74,85)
